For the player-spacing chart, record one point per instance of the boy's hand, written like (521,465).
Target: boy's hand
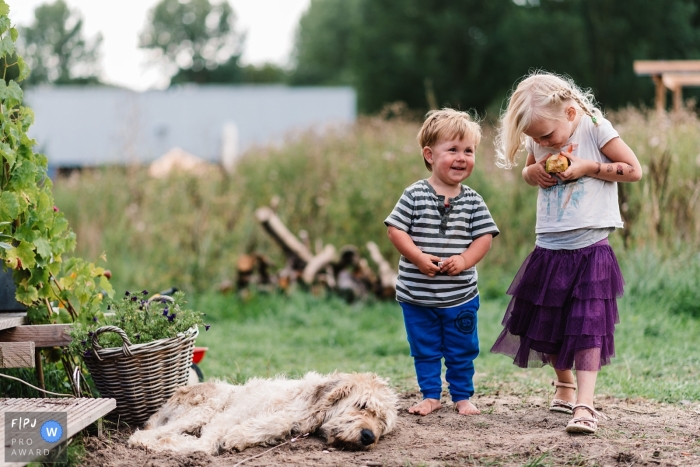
(454,265)
(427,264)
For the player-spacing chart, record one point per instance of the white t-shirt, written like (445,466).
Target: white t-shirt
(586,203)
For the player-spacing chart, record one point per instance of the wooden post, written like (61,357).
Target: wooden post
(677,98)
(39,372)
(660,94)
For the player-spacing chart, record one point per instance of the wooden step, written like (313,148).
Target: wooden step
(81,412)
(12,319)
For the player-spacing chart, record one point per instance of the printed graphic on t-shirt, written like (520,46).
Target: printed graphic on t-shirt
(562,201)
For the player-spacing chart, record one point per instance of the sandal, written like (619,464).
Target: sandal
(559,405)
(584,424)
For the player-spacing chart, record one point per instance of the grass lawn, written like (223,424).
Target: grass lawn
(266,335)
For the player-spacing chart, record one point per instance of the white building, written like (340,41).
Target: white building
(90,126)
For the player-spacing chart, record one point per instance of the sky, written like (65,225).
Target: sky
(269,26)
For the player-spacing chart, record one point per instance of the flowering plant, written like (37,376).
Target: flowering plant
(143,320)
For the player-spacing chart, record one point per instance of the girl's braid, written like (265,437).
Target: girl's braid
(569,94)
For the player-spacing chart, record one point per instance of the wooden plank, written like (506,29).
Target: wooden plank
(81,412)
(10,320)
(43,335)
(658,67)
(16,354)
(676,80)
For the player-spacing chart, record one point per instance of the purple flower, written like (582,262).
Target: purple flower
(172,317)
(109,307)
(138,337)
(94,318)
(207,326)
(165,312)
(127,293)
(140,307)
(145,292)
(83,342)
(134,298)
(87,353)
(90,333)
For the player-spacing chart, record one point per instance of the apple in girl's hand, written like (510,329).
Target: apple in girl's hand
(556,163)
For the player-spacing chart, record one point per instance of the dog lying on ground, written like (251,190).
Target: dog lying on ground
(350,410)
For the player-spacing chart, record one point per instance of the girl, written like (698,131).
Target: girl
(563,309)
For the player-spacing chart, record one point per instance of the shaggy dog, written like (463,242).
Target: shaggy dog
(351,410)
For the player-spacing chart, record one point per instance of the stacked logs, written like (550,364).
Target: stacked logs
(342,271)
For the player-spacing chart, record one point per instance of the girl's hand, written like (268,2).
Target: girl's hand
(577,167)
(539,176)
(427,264)
(454,265)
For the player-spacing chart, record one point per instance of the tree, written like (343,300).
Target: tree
(56,50)
(468,54)
(324,41)
(194,40)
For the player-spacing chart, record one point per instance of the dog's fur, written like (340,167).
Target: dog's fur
(351,410)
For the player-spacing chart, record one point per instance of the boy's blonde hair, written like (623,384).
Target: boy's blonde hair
(447,124)
(540,96)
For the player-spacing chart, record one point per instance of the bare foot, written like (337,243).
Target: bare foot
(425,406)
(464,407)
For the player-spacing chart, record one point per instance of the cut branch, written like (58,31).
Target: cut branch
(387,274)
(281,234)
(317,263)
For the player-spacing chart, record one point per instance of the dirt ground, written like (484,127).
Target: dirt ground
(510,431)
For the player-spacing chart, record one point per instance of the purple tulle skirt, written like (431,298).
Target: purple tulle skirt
(564,305)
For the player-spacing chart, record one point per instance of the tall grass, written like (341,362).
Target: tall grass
(187,231)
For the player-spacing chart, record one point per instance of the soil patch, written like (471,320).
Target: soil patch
(511,431)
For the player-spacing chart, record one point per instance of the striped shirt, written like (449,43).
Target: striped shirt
(441,231)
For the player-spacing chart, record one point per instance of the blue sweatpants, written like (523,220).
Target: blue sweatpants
(449,333)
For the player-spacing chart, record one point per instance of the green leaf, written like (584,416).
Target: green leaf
(39,276)
(63,317)
(8,154)
(23,69)
(11,94)
(26,294)
(25,233)
(7,46)
(25,252)
(4,23)
(106,286)
(14,34)
(9,205)
(43,247)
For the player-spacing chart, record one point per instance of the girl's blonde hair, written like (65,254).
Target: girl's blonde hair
(540,96)
(447,124)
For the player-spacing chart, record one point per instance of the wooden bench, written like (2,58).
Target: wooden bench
(80,413)
(18,344)
(671,74)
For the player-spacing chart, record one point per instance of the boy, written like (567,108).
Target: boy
(442,230)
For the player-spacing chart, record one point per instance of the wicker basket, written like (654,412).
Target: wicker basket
(140,377)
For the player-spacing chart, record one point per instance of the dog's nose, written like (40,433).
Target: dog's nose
(366,437)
